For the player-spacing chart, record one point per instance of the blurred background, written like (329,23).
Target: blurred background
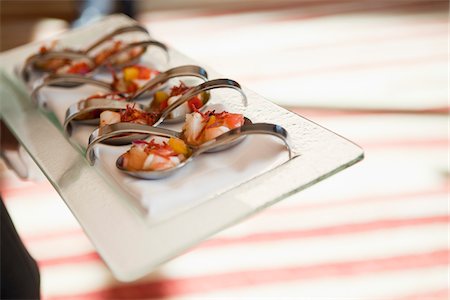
(375,72)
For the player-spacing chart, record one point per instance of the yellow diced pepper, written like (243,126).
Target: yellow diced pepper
(130,73)
(179,146)
(211,120)
(160,96)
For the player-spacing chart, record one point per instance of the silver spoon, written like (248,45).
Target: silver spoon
(94,68)
(227,137)
(74,80)
(124,133)
(85,107)
(118,31)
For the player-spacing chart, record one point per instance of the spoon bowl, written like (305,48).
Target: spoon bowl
(222,140)
(123,133)
(75,80)
(70,55)
(81,108)
(40,61)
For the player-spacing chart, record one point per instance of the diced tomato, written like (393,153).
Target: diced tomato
(195,103)
(132,87)
(102,56)
(137,72)
(79,68)
(178,90)
(163,105)
(43,50)
(144,73)
(234,120)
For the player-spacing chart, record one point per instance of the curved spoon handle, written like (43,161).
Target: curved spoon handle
(181,71)
(84,107)
(128,47)
(110,131)
(203,87)
(65,79)
(51,54)
(255,128)
(118,31)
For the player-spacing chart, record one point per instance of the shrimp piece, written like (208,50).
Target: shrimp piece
(108,117)
(129,55)
(81,66)
(135,158)
(156,162)
(193,127)
(202,127)
(153,156)
(212,133)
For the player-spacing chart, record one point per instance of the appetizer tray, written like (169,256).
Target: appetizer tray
(137,224)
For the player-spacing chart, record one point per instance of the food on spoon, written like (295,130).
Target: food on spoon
(63,65)
(130,114)
(153,156)
(109,96)
(201,127)
(162,100)
(109,117)
(95,114)
(80,67)
(51,64)
(132,78)
(123,58)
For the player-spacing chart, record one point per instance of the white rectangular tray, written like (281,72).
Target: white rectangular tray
(130,244)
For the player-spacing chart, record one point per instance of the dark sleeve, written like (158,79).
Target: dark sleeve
(19,272)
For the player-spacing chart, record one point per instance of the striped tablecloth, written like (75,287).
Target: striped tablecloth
(373,71)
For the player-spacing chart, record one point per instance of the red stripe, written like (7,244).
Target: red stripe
(427,143)
(370,7)
(440,191)
(68,260)
(32,189)
(431,295)
(278,236)
(35,238)
(345,68)
(249,278)
(200,12)
(413,31)
(13,182)
(323,112)
(325,231)
(416,34)
(326,8)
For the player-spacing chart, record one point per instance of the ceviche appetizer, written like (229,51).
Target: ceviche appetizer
(113,48)
(132,78)
(162,100)
(95,114)
(57,65)
(131,115)
(80,67)
(153,156)
(202,127)
(52,64)
(84,66)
